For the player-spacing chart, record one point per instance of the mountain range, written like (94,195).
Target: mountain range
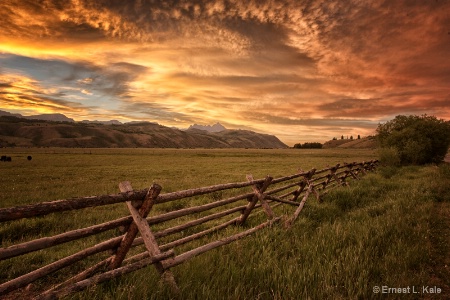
(45,117)
(214,128)
(56,130)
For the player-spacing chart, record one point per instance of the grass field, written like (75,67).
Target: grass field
(62,173)
(381,231)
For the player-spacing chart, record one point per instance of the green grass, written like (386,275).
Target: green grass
(63,173)
(376,232)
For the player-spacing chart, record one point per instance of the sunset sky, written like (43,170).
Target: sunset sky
(302,70)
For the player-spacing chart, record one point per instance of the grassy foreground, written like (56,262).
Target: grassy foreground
(384,230)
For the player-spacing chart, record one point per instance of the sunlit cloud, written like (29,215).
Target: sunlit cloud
(20,91)
(302,70)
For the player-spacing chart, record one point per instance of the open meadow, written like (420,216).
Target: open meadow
(387,229)
(59,173)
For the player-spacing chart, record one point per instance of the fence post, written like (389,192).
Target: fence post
(363,168)
(350,170)
(253,201)
(261,197)
(140,224)
(303,184)
(300,207)
(133,229)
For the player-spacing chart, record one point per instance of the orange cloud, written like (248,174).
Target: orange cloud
(304,70)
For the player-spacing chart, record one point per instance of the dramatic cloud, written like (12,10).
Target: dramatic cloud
(303,70)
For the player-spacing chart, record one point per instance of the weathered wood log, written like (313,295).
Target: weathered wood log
(308,175)
(286,178)
(312,180)
(214,188)
(195,209)
(44,208)
(363,168)
(260,195)
(190,224)
(47,242)
(317,194)
(198,235)
(147,205)
(255,199)
(57,265)
(81,276)
(204,190)
(331,186)
(144,255)
(300,207)
(151,245)
(140,241)
(81,285)
(336,167)
(273,198)
(169,263)
(282,188)
(277,190)
(338,179)
(297,193)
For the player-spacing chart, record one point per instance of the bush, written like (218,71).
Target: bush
(417,139)
(389,156)
(308,146)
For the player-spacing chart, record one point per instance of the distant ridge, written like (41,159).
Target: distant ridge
(214,128)
(51,117)
(45,117)
(110,122)
(5,113)
(60,131)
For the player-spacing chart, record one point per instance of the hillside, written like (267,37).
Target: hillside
(363,143)
(22,132)
(45,117)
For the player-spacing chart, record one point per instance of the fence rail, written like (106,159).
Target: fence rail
(247,199)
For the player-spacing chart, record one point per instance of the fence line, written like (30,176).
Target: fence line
(258,198)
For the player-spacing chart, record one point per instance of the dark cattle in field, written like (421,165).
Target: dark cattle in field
(8,158)
(29,157)
(3,158)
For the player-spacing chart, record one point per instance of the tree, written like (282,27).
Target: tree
(312,145)
(359,137)
(415,139)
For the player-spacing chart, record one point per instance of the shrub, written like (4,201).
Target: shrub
(417,139)
(389,156)
(308,146)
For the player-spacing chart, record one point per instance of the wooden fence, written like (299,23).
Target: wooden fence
(246,199)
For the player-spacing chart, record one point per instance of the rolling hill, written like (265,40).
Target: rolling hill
(25,132)
(363,143)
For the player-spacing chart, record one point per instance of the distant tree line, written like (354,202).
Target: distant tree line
(308,146)
(343,138)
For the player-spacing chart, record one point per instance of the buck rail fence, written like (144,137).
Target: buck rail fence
(242,200)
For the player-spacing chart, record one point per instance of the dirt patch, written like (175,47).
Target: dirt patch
(440,250)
